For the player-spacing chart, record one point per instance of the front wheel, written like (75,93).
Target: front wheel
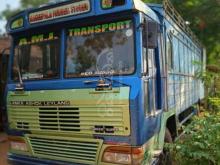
(165,158)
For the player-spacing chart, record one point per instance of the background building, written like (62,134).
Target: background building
(4,44)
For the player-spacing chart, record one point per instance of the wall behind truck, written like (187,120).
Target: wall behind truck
(4,43)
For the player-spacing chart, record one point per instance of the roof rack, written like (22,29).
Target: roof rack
(176,17)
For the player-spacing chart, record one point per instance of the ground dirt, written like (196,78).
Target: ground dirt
(4,145)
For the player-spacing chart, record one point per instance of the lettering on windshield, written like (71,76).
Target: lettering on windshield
(37,38)
(108,27)
(37,56)
(100,49)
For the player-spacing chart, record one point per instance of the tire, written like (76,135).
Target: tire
(165,158)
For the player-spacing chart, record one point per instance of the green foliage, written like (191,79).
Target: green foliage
(32,3)
(214,103)
(8,12)
(210,77)
(203,16)
(201,144)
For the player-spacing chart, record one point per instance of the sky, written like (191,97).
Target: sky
(3,5)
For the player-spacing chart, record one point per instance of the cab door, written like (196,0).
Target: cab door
(150,46)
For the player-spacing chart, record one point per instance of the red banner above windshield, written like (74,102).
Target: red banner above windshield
(60,12)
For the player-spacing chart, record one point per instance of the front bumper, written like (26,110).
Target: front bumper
(14,159)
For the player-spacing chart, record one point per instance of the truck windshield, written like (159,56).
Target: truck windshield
(101,49)
(37,57)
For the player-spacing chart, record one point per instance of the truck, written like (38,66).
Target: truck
(100,82)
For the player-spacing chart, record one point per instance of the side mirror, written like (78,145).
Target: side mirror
(150,35)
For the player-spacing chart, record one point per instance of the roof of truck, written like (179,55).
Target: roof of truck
(53,13)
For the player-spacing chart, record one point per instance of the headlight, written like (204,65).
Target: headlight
(116,158)
(18,144)
(123,155)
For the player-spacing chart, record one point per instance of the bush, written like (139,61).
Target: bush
(201,143)
(214,103)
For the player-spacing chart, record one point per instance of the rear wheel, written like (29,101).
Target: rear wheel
(165,158)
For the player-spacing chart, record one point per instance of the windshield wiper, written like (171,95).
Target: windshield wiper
(20,85)
(101,82)
(116,81)
(90,81)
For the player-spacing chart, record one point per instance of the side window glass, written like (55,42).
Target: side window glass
(145,62)
(149,101)
(146,98)
(151,62)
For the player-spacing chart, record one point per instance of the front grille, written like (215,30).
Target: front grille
(63,119)
(109,119)
(22,125)
(81,150)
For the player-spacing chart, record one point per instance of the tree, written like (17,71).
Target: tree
(203,16)
(8,12)
(32,3)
